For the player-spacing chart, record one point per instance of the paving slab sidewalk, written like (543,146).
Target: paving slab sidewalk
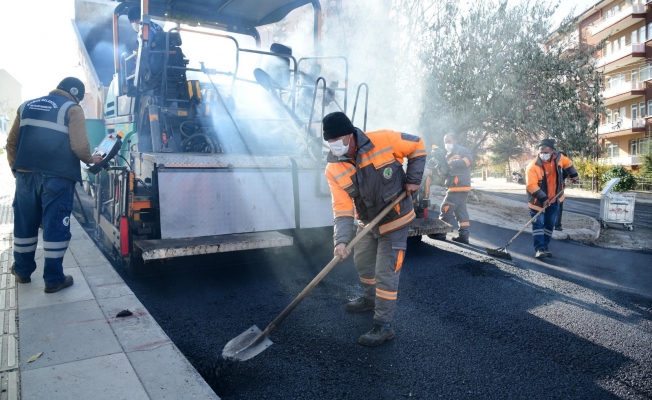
(86,352)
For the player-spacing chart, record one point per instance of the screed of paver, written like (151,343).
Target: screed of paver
(108,377)
(177,381)
(64,333)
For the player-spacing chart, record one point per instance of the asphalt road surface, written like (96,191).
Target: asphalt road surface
(466,326)
(575,326)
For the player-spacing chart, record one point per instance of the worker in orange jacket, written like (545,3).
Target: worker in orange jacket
(544,180)
(365,174)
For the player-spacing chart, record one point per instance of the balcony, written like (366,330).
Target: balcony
(626,160)
(622,57)
(624,127)
(626,17)
(625,91)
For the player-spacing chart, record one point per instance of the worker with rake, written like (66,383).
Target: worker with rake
(544,184)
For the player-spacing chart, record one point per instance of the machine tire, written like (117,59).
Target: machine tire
(438,236)
(414,239)
(134,265)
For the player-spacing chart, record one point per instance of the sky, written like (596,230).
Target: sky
(39,48)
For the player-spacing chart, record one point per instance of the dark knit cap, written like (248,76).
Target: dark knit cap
(73,86)
(336,124)
(547,143)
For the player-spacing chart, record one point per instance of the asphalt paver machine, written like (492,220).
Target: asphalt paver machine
(220,144)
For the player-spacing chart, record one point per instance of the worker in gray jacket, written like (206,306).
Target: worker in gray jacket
(458,186)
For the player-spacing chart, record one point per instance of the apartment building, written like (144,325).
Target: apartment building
(626,61)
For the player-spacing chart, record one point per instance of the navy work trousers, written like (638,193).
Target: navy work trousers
(48,199)
(543,226)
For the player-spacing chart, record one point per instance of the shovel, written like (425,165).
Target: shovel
(252,342)
(501,252)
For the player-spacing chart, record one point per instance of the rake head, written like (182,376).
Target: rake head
(500,252)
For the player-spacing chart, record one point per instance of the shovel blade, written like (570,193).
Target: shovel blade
(246,345)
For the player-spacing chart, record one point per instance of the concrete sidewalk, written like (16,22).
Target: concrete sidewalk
(86,352)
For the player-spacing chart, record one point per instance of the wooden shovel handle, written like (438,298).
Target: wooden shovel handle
(277,321)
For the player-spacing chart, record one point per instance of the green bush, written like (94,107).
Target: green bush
(627,180)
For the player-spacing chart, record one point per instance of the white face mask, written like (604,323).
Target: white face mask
(545,157)
(338,148)
(449,146)
(136,26)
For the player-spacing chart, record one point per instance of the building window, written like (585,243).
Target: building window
(608,116)
(641,109)
(649,107)
(634,75)
(633,146)
(644,145)
(649,30)
(612,149)
(634,37)
(641,34)
(634,111)
(623,43)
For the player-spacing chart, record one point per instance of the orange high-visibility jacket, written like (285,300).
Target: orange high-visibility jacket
(536,183)
(366,185)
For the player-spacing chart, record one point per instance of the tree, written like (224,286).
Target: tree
(504,149)
(489,75)
(7,109)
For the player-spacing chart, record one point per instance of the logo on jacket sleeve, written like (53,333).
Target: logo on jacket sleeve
(66,221)
(387,173)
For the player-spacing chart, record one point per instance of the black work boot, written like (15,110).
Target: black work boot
(376,336)
(67,283)
(19,278)
(360,304)
(461,239)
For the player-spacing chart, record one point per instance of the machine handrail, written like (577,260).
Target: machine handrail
(366,103)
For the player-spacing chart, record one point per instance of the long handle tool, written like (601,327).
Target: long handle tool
(501,252)
(252,342)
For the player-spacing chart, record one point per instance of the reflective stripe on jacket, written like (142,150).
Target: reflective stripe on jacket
(459,176)
(369,183)
(536,183)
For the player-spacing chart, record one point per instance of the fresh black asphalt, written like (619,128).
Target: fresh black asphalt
(576,326)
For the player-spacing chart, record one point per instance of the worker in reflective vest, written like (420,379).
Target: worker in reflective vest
(544,180)
(365,174)
(44,147)
(458,185)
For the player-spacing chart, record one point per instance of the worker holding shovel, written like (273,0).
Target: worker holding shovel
(365,174)
(544,183)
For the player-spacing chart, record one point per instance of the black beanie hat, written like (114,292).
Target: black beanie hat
(547,143)
(73,86)
(134,13)
(336,124)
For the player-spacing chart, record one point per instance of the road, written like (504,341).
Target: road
(466,327)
